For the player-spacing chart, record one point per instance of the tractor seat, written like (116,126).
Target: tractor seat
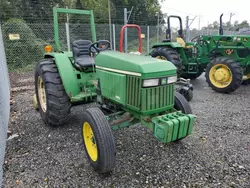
(81,53)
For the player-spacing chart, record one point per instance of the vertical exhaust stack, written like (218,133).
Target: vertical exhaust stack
(221,25)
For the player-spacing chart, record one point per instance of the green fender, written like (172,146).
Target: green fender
(66,71)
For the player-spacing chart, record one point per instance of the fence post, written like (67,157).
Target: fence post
(67,35)
(114,46)
(125,33)
(148,38)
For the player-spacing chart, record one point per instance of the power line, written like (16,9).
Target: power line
(190,14)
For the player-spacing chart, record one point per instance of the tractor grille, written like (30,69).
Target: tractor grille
(134,91)
(148,100)
(157,98)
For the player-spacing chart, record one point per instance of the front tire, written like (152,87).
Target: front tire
(224,75)
(180,103)
(98,139)
(52,100)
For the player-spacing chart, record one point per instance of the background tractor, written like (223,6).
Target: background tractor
(127,89)
(224,59)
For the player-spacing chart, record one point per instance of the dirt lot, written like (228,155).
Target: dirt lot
(217,154)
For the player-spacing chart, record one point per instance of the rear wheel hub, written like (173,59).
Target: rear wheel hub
(220,75)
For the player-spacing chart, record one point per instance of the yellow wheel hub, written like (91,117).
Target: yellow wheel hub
(161,57)
(89,141)
(220,75)
(42,94)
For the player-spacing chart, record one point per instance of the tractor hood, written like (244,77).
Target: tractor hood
(144,66)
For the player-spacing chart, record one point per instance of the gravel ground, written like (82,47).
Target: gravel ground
(217,154)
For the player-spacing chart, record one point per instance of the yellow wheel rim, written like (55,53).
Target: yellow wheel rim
(161,57)
(90,141)
(42,94)
(220,75)
(35,102)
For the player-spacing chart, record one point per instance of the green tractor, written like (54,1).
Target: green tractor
(224,59)
(126,88)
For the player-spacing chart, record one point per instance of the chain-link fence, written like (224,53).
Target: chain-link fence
(4,104)
(24,42)
(195,33)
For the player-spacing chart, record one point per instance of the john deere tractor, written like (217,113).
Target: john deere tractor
(126,89)
(224,59)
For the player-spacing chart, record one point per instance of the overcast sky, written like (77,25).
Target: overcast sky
(209,10)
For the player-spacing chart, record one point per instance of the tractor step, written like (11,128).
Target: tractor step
(173,126)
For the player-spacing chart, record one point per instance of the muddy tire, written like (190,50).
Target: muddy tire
(53,102)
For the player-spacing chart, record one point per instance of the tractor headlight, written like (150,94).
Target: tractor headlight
(172,79)
(150,83)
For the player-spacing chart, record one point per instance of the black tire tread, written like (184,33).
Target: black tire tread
(103,134)
(171,55)
(235,69)
(180,103)
(58,103)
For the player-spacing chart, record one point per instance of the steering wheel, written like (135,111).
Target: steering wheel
(99,46)
(196,39)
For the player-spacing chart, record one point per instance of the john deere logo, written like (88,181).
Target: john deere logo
(229,51)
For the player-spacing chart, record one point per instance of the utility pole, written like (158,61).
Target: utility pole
(199,22)
(230,18)
(187,29)
(126,19)
(110,27)
(158,26)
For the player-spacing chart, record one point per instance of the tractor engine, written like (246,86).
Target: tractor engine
(146,86)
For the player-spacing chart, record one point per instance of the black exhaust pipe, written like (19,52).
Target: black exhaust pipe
(221,25)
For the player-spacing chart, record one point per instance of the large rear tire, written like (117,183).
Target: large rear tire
(224,75)
(168,54)
(53,102)
(98,139)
